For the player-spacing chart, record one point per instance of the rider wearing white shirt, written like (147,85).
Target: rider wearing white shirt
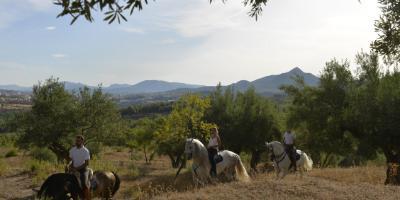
(212,147)
(80,157)
(288,140)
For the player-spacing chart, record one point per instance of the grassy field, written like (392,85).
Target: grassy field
(20,173)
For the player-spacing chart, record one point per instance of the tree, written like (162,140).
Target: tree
(142,136)
(375,111)
(57,116)
(246,120)
(114,10)
(388,29)
(319,113)
(185,121)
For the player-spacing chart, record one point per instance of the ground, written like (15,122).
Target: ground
(156,181)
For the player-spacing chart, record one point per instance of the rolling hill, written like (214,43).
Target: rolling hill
(157,90)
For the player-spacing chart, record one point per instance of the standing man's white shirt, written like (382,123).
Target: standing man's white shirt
(79,155)
(289,138)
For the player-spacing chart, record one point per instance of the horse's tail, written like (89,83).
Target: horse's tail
(308,163)
(116,184)
(241,171)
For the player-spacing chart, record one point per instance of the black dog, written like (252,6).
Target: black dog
(58,186)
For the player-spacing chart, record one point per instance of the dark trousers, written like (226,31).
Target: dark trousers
(211,153)
(289,148)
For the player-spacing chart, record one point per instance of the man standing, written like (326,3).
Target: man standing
(80,157)
(288,140)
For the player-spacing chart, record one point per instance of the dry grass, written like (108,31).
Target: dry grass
(156,181)
(264,186)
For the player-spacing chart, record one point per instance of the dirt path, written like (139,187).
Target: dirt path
(17,186)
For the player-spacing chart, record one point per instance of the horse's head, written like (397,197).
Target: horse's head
(269,146)
(190,147)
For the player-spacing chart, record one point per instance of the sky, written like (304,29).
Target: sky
(189,41)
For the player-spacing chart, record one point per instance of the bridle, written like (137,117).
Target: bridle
(278,159)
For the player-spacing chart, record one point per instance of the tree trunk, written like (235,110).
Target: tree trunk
(326,160)
(145,154)
(175,161)
(61,152)
(393,168)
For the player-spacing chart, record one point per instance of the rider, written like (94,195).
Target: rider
(288,140)
(80,157)
(212,148)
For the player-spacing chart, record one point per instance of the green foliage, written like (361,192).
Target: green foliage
(11,153)
(142,136)
(57,116)
(114,10)
(43,154)
(186,120)
(8,139)
(349,114)
(245,120)
(388,29)
(147,110)
(319,113)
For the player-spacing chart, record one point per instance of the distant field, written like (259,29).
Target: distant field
(155,181)
(9,107)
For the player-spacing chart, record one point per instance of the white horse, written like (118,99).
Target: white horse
(231,165)
(282,161)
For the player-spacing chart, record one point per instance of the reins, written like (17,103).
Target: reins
(281,156)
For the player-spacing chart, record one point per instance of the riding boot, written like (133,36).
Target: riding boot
(86,194)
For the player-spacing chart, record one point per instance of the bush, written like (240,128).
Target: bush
(43,154)
(11,153)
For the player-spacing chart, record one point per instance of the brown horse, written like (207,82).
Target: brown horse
(104,184)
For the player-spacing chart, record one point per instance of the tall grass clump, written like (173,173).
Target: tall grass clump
(3,167)
(43,154)
(40,170)
(11,153)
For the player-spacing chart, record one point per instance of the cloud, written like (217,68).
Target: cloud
(168,41)
(132,30)
(41,4)
(58,55)
(51,28)
(14,10)
(199,19)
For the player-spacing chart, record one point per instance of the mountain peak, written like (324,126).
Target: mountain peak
(296,70)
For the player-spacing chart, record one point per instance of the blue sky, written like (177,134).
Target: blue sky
(186,41)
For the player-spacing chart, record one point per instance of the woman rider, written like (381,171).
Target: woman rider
(213,144)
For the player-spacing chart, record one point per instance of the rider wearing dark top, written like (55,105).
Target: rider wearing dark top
(212,147)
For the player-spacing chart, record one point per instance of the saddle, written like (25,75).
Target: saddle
(218,158)
(296,154)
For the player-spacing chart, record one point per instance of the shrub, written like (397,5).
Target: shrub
(43,154)
(11,153)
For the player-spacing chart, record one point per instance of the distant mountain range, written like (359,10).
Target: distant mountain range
(268,85)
